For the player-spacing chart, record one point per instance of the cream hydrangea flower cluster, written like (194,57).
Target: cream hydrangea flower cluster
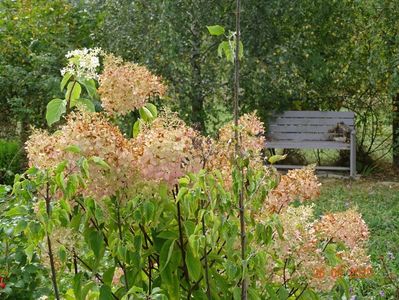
(168,149)
(83,63)
(126,86)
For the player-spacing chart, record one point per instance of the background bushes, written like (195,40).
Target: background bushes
(10,160)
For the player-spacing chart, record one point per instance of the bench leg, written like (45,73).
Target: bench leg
(353,155)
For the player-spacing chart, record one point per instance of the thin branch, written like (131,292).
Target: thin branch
(244,283)
(50,251)
(121,239)
(208,286)
(181,243)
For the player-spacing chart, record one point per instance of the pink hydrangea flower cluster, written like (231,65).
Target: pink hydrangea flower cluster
(126,86)
(168,149)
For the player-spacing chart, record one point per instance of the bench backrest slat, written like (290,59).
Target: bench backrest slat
(307,125)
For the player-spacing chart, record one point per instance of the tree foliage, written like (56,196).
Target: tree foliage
(35,36)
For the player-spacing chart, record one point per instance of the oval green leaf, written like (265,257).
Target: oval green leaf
(153,109)
(275,158)
(215,30)
(55,109)
(86,104)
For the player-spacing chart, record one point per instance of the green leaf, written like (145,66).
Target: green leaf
(182,192)
(310,295)
(86,104)
(253,294)
(55,109)
(61,166)
(100,162)
(149,210)
(275,158)
(331,254)
(282,293)
(96,243)
(16,211)
(86,289)
(65,80)
(108,275)
(193,265)
(73,149)
(136,128)
(90,86)
(345,286)
(153,109)
(268,234)
(20,226)
(72,186)
(105,293)
(236,293)
(224,48)
(241,51)
(73,92)
(77,286)
(146,114)
(168,235)
(62,254)
(184,181)
(215,30)
(60,180)
(84,168)
(29,251)
(271,292)
(166,254)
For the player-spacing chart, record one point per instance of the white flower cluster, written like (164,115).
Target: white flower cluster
(83,63)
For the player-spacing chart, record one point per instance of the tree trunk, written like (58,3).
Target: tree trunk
(395,130)
(197,95)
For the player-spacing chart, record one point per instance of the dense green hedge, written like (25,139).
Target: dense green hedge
(10,160)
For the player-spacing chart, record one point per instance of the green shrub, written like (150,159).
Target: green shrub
(10,160)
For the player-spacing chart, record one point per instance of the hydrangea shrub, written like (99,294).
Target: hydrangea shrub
(155,216)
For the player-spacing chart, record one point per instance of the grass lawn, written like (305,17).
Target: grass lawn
(378,201)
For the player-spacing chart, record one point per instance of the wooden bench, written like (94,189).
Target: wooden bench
(312,130)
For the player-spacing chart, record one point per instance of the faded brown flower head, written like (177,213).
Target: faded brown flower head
(126,86)
(347,227)
(43,150)
(94,136)
(301,184)
(252,141)
(303,245)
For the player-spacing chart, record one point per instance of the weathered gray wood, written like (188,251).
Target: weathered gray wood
(299,136)
(323,168)
(319,114)
(307,145)
(353,155)
(310,121)
(301,128)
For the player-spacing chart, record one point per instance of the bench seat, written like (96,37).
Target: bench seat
(289,144)
(313,130)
